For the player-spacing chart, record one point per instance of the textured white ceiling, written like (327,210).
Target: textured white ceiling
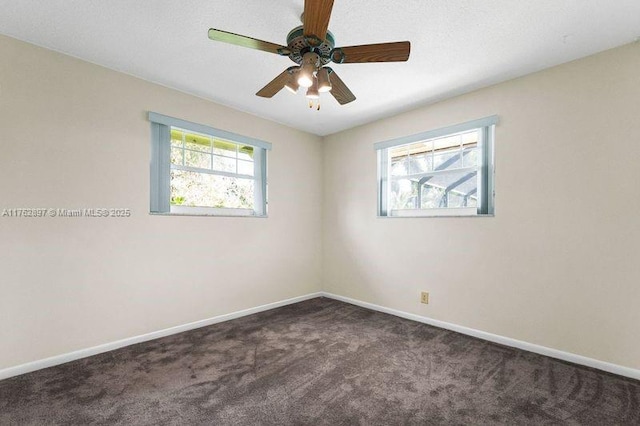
(457,46)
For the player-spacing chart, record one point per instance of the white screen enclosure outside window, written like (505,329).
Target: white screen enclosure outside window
(443,172)
(199,170)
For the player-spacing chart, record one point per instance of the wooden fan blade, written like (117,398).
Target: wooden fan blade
(382,52)
(275,85)
(339,90)
(244,41)
(316,17)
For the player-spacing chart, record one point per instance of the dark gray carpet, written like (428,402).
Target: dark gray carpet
(319,362)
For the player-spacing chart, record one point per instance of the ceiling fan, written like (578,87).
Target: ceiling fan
(311,46)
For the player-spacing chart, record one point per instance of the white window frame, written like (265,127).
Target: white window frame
(486,170)
(161,168)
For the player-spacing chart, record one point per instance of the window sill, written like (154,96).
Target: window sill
(442,216)
(208,212)
(206,215)
(433,213)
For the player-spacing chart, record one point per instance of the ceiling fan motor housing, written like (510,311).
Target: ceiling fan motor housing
(298,44)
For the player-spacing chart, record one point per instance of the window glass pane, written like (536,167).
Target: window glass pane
(225,148)
(203,145)
(224,164)
(206,190)
(176,156)
(193,141)
(245,167)
(197,159)
(245,153)
(470,138)
(447,159)
(470,157)
(403,194)
(419,159)
(448,190)
(398,151)
(450,152)
(400,166)
(447,143)
(420,163)
(431,197)
(456,200)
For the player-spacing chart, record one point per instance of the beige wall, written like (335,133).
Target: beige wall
(75,135)
(559,264)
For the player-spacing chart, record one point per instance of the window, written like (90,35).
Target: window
(199,170)
(444,172)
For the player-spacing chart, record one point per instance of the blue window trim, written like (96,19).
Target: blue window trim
(154,117)
(444,131)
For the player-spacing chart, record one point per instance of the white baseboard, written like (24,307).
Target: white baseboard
(83,353)
(542,350)
(531,347)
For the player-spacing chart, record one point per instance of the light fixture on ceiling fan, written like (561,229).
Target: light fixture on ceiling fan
(311,46)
